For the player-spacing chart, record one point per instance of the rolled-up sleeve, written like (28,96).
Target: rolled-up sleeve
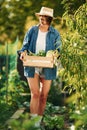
(26,41)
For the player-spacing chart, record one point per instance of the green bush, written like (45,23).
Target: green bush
(74,60)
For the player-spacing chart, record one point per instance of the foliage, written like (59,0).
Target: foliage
(72,5)
(73,57)
(16,16)
(11,91)
(25,123)
(53,109)
(10,95)
(55,95)
(54,117)
(80,118)
(54,122)
(2,77)
(16,87)
(6,112)
(10,83)
(50,121)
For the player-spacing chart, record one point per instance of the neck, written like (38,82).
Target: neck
(44,28)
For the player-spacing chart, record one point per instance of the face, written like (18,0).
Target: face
(42,20)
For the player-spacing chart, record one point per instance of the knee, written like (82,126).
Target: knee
(35,95)
(43,98)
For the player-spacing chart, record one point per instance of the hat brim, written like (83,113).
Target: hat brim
(38,14)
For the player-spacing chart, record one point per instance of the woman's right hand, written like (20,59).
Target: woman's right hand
(22,55)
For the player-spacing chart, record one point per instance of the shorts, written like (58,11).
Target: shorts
(39,71)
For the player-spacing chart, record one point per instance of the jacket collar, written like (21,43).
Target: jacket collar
(51,29)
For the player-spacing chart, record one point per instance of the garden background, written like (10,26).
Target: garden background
(67,101)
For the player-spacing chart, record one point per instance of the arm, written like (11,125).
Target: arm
(26,43)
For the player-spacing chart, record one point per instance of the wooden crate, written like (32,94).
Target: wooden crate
(38,61)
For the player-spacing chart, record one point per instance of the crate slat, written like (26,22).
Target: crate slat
(38,61)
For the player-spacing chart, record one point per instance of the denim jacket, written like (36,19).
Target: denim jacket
(53,42)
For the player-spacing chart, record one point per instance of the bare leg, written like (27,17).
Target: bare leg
(34,89)
(44,90)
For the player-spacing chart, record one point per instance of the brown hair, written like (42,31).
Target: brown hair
(49,19)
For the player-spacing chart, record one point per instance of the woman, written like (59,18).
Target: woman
(40,37)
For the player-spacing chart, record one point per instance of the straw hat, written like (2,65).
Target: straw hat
(45,11)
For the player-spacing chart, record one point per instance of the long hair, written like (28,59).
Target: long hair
(48,20)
